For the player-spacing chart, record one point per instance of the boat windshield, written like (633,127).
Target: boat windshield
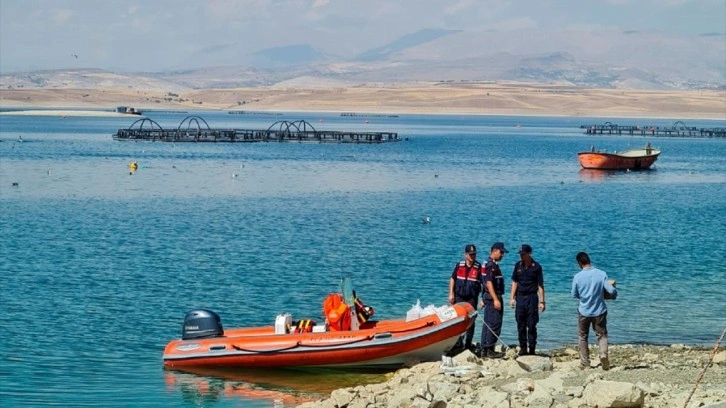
(346,288)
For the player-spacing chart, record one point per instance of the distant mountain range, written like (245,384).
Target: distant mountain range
(601,59)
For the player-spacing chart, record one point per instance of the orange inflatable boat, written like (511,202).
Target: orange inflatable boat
(372,344)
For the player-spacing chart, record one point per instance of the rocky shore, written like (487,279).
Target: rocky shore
(640,376)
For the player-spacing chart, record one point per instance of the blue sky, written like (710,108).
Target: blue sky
(155,35)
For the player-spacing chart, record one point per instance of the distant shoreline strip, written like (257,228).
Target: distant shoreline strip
(64,113)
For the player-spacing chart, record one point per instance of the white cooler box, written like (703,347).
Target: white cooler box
(283,322)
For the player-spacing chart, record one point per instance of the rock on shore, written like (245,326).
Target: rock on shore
(640,376)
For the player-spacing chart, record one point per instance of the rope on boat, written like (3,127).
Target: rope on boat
(266,351)
(703,371)
(427,324)
(300,344)
(367,337)
(338,344)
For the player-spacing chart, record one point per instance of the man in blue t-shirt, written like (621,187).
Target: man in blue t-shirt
(589,286)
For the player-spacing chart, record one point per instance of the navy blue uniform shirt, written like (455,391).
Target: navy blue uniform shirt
(493,274)
(528,279)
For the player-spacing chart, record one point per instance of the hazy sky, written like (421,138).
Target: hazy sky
(154,35)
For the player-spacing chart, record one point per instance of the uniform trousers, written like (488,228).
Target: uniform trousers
(527,316)
(493,323)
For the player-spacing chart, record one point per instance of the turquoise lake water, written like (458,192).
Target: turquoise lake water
(100,266)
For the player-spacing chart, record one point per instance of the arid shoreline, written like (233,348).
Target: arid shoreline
(643,376)
(417,98)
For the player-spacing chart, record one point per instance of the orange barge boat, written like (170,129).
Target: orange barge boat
(373,344)
(634,159)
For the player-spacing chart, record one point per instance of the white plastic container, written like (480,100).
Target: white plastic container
(414,313)
(319,329)
(428,311)
(283,323)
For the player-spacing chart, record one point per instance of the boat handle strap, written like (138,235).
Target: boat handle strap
(236,347)
(366,338)
(299,344)
(427,324)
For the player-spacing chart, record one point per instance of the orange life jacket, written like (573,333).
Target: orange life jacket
(336,312)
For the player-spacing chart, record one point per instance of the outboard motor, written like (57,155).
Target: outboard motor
(200,324)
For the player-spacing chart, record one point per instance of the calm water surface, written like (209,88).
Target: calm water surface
(100,266)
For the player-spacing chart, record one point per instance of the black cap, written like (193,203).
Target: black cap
(525,249)
(470,249)
(500,246)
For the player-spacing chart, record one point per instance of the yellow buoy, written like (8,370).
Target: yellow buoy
(133,166)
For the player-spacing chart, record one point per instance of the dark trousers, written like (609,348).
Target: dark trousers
(527,316)
(493,324)
(469,333)
(600,326)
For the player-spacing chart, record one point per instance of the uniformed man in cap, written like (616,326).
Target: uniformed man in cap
(465,286)
(529,297)
(492,301)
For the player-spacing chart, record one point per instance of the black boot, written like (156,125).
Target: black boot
(531,351)
(479,352)
(494,354)
(469,346)
(523,351)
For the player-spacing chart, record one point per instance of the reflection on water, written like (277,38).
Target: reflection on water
(594,175)
(600,175)
(282,387)
(207,391)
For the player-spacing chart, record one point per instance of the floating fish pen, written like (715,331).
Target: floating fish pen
(244,112)
(679,129)
(196,130)
(368,115)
